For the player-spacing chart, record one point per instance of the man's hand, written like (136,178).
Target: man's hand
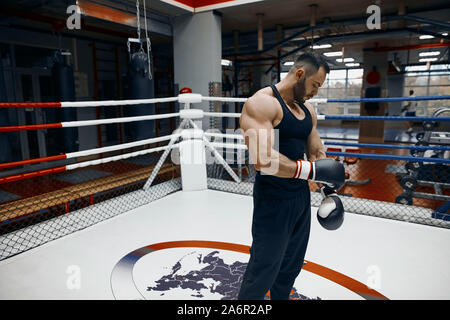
(327,171)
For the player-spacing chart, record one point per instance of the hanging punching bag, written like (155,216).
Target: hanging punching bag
(139,86)
(63,77)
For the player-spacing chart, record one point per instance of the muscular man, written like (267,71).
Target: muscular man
(281,195)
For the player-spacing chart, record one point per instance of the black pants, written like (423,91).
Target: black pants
(280,231)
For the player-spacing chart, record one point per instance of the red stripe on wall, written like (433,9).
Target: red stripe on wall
(190,3)
(105,13)
(201,3)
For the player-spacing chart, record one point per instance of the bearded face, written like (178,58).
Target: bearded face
(300,91)
(307,87)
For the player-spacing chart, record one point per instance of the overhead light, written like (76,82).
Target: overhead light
(226,63)
(333,54)
(445,34)
(429,54)
(415,68)
(288,63)
(321,46)
(427,59)
(345,60)
(356,64)
(425,36)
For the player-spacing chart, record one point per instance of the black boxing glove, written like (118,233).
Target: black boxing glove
(330,213)
(327,171)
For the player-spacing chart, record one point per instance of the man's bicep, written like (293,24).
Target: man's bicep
(256,122)
(258,135)
(257,132)
(249,123)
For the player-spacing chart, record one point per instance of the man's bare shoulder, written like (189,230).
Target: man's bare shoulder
(262,103)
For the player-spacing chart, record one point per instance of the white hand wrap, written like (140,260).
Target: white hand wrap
(305,170)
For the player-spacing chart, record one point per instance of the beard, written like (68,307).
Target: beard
(300,91)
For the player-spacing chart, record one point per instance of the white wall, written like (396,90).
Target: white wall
(197,45)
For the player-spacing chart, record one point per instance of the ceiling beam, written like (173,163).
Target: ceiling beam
(432,22)
(358,21)
(412,47)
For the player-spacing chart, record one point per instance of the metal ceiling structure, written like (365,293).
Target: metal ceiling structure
(286,26)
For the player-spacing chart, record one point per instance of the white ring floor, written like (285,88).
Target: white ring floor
(400,260)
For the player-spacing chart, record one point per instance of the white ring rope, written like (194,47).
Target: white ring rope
(71,124)
(229,145)
(120,146)
(224,99)
(188,98)
(119,157)
(224,135)
(227,99)
(80,104)
(222,114)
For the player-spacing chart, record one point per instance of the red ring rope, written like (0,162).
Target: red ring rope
(30,104)
(31,127)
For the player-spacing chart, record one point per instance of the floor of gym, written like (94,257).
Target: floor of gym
(397,260)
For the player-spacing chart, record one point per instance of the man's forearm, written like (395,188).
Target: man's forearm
(281,166)
(326,171)
(317,155)
(278,165)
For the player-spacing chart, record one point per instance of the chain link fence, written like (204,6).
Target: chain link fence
(403,190)
(38,210)
(394,189)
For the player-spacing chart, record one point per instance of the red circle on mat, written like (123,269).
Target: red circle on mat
(122,279)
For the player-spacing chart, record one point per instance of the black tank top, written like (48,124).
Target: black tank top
(292,136)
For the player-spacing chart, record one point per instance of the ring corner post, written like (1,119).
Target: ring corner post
(193,161)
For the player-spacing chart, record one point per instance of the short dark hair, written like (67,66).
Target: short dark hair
(411,91)
(312,62)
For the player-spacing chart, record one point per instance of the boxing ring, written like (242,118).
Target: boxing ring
(187,236)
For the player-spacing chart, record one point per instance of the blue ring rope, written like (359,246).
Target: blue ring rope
(386,118)
(387,157)
(387,146)
(391,99)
